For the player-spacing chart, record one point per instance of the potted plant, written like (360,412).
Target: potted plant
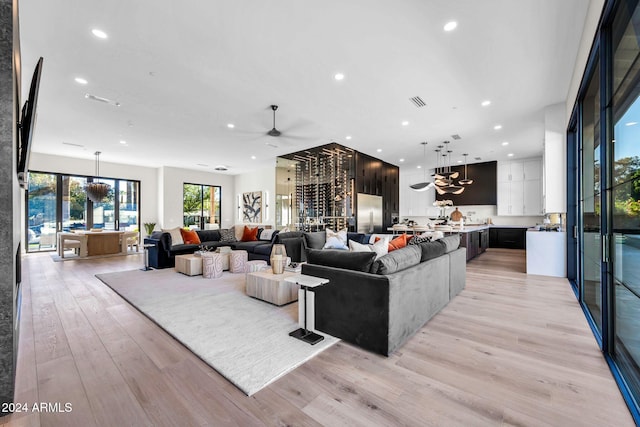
(148,227)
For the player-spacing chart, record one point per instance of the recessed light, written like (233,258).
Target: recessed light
(459,161)
(123,142)
(230,125)
(419,167)
(405,123)
(504,144)
(379,150)
(347,137)
(497,127)
(450,26)
(339,76)
(253,157)
(631,124)
(510,154)
(81,81)
(99,33)
(401,160)
(486,103)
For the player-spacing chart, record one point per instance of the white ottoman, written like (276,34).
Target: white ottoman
(238,261)
(255,265)
(211,265)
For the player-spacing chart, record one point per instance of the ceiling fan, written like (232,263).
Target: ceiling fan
(274,131)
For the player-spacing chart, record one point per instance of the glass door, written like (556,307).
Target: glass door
(624,192)
(201,206)
(590,242)
(104,212)
(41,212)
(74,203)
(128,205)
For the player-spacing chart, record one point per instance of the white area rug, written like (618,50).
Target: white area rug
(244,339)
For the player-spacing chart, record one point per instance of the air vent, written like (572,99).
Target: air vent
(202,164)
(73,145)
(478,158)
(456,137)
(101,99)
(221,168)
(417,101)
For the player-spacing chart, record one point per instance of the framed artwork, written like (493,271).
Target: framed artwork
(252,207)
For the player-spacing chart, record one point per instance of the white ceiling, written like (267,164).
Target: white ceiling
(183,70)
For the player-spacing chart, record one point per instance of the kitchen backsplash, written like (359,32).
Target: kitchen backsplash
(478,215)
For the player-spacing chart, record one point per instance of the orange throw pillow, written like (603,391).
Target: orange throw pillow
(399,242)
(249,234)
(190,237)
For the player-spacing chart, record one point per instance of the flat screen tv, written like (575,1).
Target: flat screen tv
(26,126)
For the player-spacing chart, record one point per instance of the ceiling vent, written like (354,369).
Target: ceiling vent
(478,158)
(456,137)
(73,145)
(101,99)
(221,168)
(417,101)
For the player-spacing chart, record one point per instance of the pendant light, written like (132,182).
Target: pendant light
(423,186)
(97,191)
(446,173)
(445,177)
(465,181)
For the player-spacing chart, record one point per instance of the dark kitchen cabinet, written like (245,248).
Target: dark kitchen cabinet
(471,241)
(508,238)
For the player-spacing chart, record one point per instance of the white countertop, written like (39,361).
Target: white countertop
(466,228)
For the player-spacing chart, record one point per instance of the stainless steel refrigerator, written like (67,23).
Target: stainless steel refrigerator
(369,215)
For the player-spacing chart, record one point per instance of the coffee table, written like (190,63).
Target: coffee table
(269,287)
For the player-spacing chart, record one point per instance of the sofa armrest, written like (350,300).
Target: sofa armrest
(353,306)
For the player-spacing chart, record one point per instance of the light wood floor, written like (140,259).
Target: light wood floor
(511,349)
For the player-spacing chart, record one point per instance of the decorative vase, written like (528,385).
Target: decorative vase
(278,258)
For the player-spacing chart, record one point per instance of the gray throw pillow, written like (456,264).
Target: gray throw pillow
(397,260)
(357,261)
(451,242)
(227,236)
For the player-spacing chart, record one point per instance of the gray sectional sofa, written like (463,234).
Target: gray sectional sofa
(379,305)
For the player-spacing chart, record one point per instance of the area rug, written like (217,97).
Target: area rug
(244,339)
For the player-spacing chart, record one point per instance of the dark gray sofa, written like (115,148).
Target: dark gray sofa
(162,254)
(380,310)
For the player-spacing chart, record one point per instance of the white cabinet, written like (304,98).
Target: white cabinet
(520,187)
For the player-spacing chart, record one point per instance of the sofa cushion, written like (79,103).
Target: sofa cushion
(263,249)
(357,261)
(249,234)
(190,237)
(358,238)
(451,242)
(397,260)
(420,239)
(247,246)
(336,239)
(290,235)
(228,235)
(316,239)
(209,235)
(176,236)
(380,248)
(268,234)
(431,250)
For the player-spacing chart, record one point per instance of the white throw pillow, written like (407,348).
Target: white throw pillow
(176,236)
(267,234)
(336,240)
(380,247)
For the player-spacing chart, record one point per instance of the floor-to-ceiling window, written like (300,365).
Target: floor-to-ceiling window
(607,200)
(58,202)
(625,191)
(201,206)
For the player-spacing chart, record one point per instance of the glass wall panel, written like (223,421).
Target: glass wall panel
(128,205)
(104,212)
(74,203)
(625,191)
(41,212)
(591,247)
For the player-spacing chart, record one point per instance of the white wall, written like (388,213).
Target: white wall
(171,181)
(261,180)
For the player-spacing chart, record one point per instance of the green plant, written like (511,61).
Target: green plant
(149,226)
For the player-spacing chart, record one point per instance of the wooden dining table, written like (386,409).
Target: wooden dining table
(103,242)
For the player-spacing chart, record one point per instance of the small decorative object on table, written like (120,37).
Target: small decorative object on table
(443,205)
(278,258)
(202,249)
(149,227)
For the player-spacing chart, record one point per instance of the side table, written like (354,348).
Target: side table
(146,247)
(306,282)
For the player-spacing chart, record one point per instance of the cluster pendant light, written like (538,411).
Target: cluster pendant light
(444,175)
(424,185)
(97,191)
